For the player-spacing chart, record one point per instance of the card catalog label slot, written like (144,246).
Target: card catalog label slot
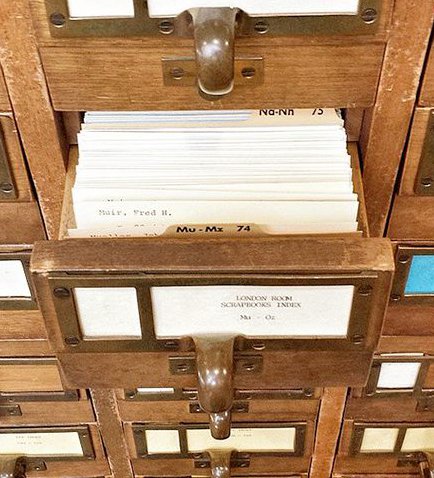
(244,439)
(101,8)
(162,441)
(108,313)
(379,440)
(418,439)
(398,375)
(42,444)
(13,280)
(421,275)
(253,311)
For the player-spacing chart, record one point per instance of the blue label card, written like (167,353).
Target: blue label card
(421,276)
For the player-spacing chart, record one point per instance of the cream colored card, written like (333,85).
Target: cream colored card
(41,444)
(398,375)
(379,440)
(162,441)
(253,311)
(244,439)
(418,439)
(108,313)
(101,8)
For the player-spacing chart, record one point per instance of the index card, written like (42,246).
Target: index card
(418,439)
(13,280)
(253,311)
(159,8)
(108,313)
(41,444)
(100,8)
(379,440)
(244,439)
(162,441)
(398,375)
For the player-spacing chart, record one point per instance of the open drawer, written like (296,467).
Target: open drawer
(129,313)
(125,60)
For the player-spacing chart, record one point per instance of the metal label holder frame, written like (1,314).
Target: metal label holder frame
(62,26)
(19,303)
(63,297)
(8,189)
(419,392)
(239,395)
(83,433)
(359,430)
(142,451)
(404,257)
(424,182)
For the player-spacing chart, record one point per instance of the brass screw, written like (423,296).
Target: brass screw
(395,297)
(61,292)
(6,188)
(249,367)
(58,19)
(404,259)
(365,290)
(166,27)
(426,182)
(177,73)
(182,367)
(248,72)
(258,346)
(171,344)
(72,341)
(369,15)
(261,27)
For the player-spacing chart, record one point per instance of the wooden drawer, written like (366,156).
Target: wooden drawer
(411,297)
(383,447)
(284,447)
(249,405)
(31,393)
(251,361)
(70,451)
(14,179)
(400,387)
(126,73)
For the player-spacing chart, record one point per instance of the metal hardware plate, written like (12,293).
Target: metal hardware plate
(83,433)
(239,460)
(19,303)
(418,391)
(238,407)
(62,288)
(7,186)
(139,431)
(249,71)
(62,26)
(404,256)
(191,395)
(67,396)
(424,184)
(10,411)
(252,364)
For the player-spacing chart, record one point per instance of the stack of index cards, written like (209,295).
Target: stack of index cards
(213,172)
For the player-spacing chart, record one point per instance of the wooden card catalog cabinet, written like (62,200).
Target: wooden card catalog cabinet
(214,314)
(257,48)
(251,449)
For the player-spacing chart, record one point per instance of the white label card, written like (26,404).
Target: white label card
(244,439)
(162,441)
(418,439)
(379,440)
(398,375)
(100,8)
(108,313)
(159,8)
(253,311)
(41,444)
(13,280)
